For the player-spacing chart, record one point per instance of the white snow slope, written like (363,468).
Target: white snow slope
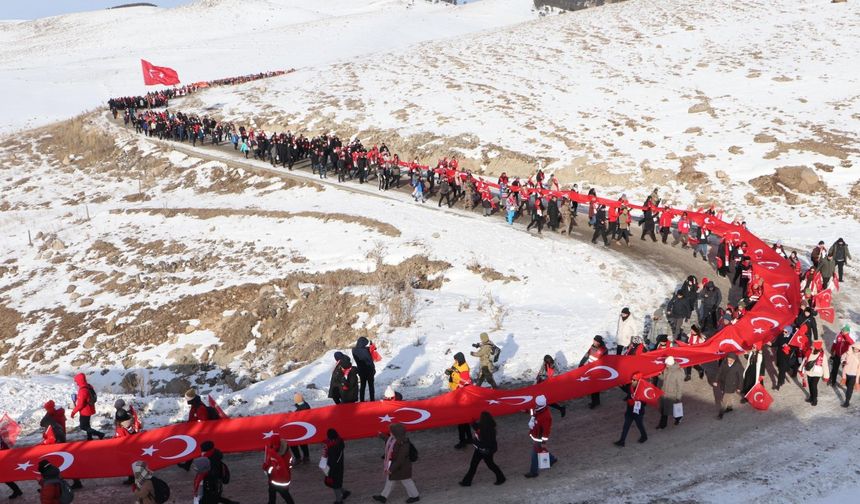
(56,67)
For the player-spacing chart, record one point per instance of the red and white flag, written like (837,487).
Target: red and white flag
(215,405)
(800,339)
(759,398)
(9,431)
(824,299)
(827,314)
(647,393)
(836,282)
(153,75)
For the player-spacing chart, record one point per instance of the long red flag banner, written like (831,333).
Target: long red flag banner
(169,445)
(153,75)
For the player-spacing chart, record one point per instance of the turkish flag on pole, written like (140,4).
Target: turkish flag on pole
(827,314)
(824,299)
(799,339)
(647,393)
(9,431)
(836,282)
(759,398)
(215,405)
(153,75)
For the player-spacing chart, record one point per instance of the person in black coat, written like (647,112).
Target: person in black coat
(807,316)
(219,473)
(600,226)
(336,383)
(484,440)
(730,378)
(648,224)
(366,367)
(678,311)
(334,453)
(711,297)
(783,353)
(635,413)
(349,388)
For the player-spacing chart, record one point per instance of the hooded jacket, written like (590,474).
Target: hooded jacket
(397,456)
(363,359)
(625,330)
(278,462)
(485,352)
(711,297)
(84,405)
(49,486)
(851,361)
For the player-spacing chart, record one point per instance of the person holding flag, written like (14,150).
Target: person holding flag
(637,392)
(816,367)
(839,348)
(9,430)
(754,370)
(784,354)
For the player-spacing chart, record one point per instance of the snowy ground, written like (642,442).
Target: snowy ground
(54,68)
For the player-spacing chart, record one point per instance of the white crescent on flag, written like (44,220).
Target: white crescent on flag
(423,415)
(190,445)
(309,428)
(523,399)
(732,343)
(68,459)
(613,374)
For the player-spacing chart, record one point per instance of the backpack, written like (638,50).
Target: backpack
(496,352)
(413,453)
(225,473)
(160,490)
(66,493)
(93,397)
(212,413)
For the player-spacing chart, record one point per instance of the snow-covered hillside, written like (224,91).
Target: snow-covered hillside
(751,105)
(56,67)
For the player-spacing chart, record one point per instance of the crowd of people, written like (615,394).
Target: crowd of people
(798,351)
(161,98)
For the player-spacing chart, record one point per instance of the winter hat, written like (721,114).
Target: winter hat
(846,328)
(625,311)
(207,446)
(788,328)
(119,404)
(485,337)
(50,407)
(389,392)
(818,344)
(670,361)
(540,401)
(298,398)
(190,394)
(338,356)
(705,281)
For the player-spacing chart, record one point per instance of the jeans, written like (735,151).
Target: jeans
(701,249)
(840,265)
(366,380)
(305,452)
(408,484)
(813,389)
(534,465)
(629,418)
(477,457)
(85,427)
(511,214)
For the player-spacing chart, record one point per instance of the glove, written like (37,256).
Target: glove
(73,414)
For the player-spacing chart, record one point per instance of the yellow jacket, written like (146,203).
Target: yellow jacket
(460,376)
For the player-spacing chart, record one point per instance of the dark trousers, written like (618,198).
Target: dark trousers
(850,381)
(445,197)
(629,418)
(464,432)
(783,364)
(283,491)
(664,233)
(835,361)
(813,389)
(839,267)
(477,457)
(600,232)
(16,490)
(595,398)
(366,380)
(649,231)
(485,374)
(85,427)
(619,349)
(305,453)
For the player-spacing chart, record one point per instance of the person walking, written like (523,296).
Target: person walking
(484,440)
(85,404)
(827,268)
(840,346)
(729,382)
(672,383)
(840,253)
(540,426)
(397,465)
(277,464)
(595,352)
(459,376)
(336,381)
(754,370)
(300,405)
(678,311)
(51,484)
(143,486)
(635,412)
(366,367)
(624,331)
(486,351)
(850,370)
(784,353)
(816,367)
(334,455)
(547,371)
(349,387)
(600,226)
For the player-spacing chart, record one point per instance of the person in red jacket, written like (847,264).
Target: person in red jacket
(540,426)
(841,345)
(684,230)
(595,352)
(198,411)
(85,404)
(49,485)
(277,465)
(665,224)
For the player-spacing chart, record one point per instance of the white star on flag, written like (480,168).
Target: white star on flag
(584,378)
(267,435)
(386,418)
(658,361)
(493,401)
(148,452)
(23,467)
(779,305)
(758,330)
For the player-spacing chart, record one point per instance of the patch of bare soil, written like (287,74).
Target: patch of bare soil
(827,143)
(235,181)
(211,213)
(490,274)
(787,181)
